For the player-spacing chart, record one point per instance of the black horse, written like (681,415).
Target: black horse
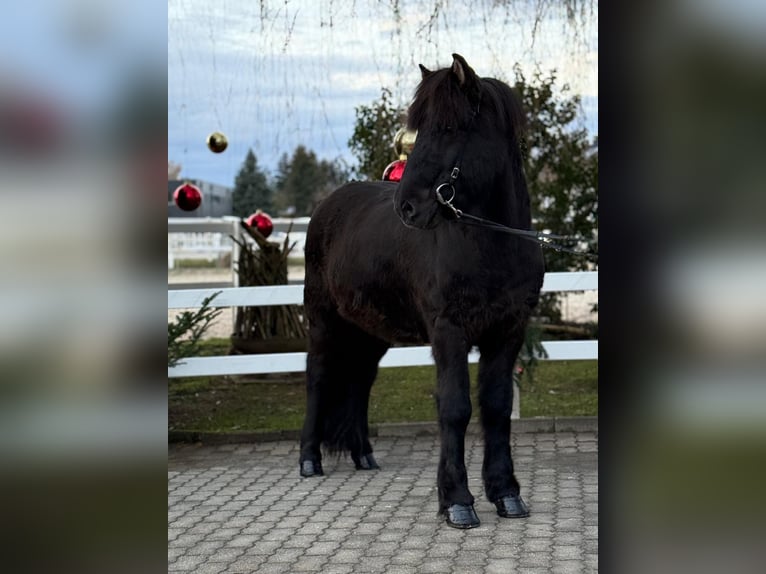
(389,262)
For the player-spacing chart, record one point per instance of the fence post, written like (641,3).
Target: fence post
(237,233)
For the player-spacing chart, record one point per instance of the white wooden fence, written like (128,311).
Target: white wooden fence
(207,237)
(395,357)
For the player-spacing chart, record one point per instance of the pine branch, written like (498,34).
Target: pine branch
(185,332)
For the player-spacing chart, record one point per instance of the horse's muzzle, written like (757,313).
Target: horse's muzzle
(413,216)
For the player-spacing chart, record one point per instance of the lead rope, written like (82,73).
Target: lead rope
(543,239)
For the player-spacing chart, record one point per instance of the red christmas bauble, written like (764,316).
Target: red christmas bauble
(187,197)
(394,170)
(261,222)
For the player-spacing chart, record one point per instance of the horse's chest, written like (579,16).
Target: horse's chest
(480,303)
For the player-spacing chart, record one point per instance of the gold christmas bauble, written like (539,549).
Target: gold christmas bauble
(217,142)
(404,141)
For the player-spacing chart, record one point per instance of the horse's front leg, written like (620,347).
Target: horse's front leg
(498,356)
(454,407)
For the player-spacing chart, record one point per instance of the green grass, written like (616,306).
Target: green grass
(195,264)
(400,394)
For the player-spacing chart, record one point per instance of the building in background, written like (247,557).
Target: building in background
(216,199)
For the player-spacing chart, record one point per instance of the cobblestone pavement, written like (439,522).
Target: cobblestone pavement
(243,508)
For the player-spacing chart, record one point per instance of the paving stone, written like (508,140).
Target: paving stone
(186,563)
(501,566)
(206,548)
(187,540)
(225,555)
(416,542)
(322,548)
(538,545)
(501,550)
(382,548)
(470,557)
(246,565)
(408,557)
(345,555)
(309,564)
(439,565)
(210,568)
(567,567)
(359,540)
(528,559)
(442,550)
(567,553)
(287,555)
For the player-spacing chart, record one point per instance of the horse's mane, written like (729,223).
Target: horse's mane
(440,102)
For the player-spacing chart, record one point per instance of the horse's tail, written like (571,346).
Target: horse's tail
(342,433)
(344,362)
(343,412)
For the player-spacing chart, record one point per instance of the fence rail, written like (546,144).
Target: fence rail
(396,357)
(208,237)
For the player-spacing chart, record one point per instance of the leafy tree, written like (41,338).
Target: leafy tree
(303,180)
(372,142)
(561,164)
(332,174)
(251,189)
(297,180)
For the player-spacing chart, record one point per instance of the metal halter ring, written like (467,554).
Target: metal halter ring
(439,197)
(448,202)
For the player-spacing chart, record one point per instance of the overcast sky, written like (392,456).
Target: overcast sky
(272,75)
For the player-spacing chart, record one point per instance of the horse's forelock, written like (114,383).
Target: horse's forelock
(440,102)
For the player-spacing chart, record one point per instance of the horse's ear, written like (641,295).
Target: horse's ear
(461,69)
(424,72)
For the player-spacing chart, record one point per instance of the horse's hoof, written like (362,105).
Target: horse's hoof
(366,462)
(462,516)
(512,506)
(311,468)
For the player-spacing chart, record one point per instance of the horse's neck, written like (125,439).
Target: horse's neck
(508,202)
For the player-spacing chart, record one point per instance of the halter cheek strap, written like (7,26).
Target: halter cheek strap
(449,186)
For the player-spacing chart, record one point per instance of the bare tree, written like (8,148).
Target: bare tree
(174,170)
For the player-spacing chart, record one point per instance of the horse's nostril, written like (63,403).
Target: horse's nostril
(408,209)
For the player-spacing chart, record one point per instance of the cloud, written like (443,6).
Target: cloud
(294,73)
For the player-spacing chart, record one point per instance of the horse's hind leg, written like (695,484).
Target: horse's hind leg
(341,367)
(362,368)
(318,370)
(498,356)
